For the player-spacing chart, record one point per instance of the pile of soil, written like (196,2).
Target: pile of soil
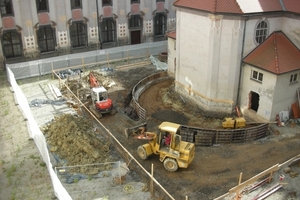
(74,141)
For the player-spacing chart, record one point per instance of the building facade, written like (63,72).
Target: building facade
(34,29)
(212,40)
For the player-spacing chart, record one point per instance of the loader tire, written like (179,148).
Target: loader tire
(170,165)
(141,151)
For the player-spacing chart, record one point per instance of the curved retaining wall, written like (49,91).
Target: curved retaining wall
(199,136)
(141,86)
(210,137)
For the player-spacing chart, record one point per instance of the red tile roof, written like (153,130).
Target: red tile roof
(292,5)
(214,6)
(171,34)
(277,55)
(240,6)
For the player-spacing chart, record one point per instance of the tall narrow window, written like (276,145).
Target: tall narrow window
(11,44)
(159,24)
(78,34)
(261,32)
(42,5)
(6,7)
(106,2)
(108,30)
(75,4)
(46,39)
(135,21)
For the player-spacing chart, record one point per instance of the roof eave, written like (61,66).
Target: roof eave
(280,73)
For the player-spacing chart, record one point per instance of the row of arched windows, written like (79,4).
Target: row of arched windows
(12,43)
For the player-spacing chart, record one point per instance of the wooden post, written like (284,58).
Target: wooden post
(82,61)
(127,57)
(151,181)
(237,197)
(52,70)
(147,52)
(186,197)
(270,177)
(107,56)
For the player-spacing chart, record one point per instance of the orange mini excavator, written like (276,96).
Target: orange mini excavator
(100,102)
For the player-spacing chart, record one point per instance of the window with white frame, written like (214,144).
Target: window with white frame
(294,78)
(261,32)
(255,75)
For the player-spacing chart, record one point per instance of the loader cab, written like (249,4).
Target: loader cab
(99,94)
(173,129)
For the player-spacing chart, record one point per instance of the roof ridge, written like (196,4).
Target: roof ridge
(276,54)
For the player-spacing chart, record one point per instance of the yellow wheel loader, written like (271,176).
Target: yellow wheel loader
(178,154)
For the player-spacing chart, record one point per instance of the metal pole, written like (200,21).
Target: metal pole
(98,29)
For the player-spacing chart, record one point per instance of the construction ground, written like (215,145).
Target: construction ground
(214,171)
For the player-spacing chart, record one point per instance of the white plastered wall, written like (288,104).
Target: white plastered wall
(208,58)
(265,90)
(171,56)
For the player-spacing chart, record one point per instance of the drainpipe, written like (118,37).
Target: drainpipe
(242,52)
(98,27)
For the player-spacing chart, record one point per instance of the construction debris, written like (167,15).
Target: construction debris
(293,174)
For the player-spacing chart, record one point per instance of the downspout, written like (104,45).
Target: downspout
(242,53)
(98,26)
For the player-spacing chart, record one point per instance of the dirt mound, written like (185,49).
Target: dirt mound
(74,141)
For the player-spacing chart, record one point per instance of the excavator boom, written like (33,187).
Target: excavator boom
(93,81)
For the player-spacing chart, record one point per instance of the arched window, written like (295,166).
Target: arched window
(46,39)
(261,32)
(159,24)
(11,44)
(78,34)
(108,30)
(135,21)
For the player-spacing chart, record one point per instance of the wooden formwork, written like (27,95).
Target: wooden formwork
(209,137)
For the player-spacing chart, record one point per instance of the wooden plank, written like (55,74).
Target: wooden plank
(254,178)
(51,90)
(57,92)
(296,111)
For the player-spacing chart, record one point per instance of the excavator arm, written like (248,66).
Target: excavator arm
(93,80)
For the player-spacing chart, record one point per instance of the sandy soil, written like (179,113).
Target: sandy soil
(213,172)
